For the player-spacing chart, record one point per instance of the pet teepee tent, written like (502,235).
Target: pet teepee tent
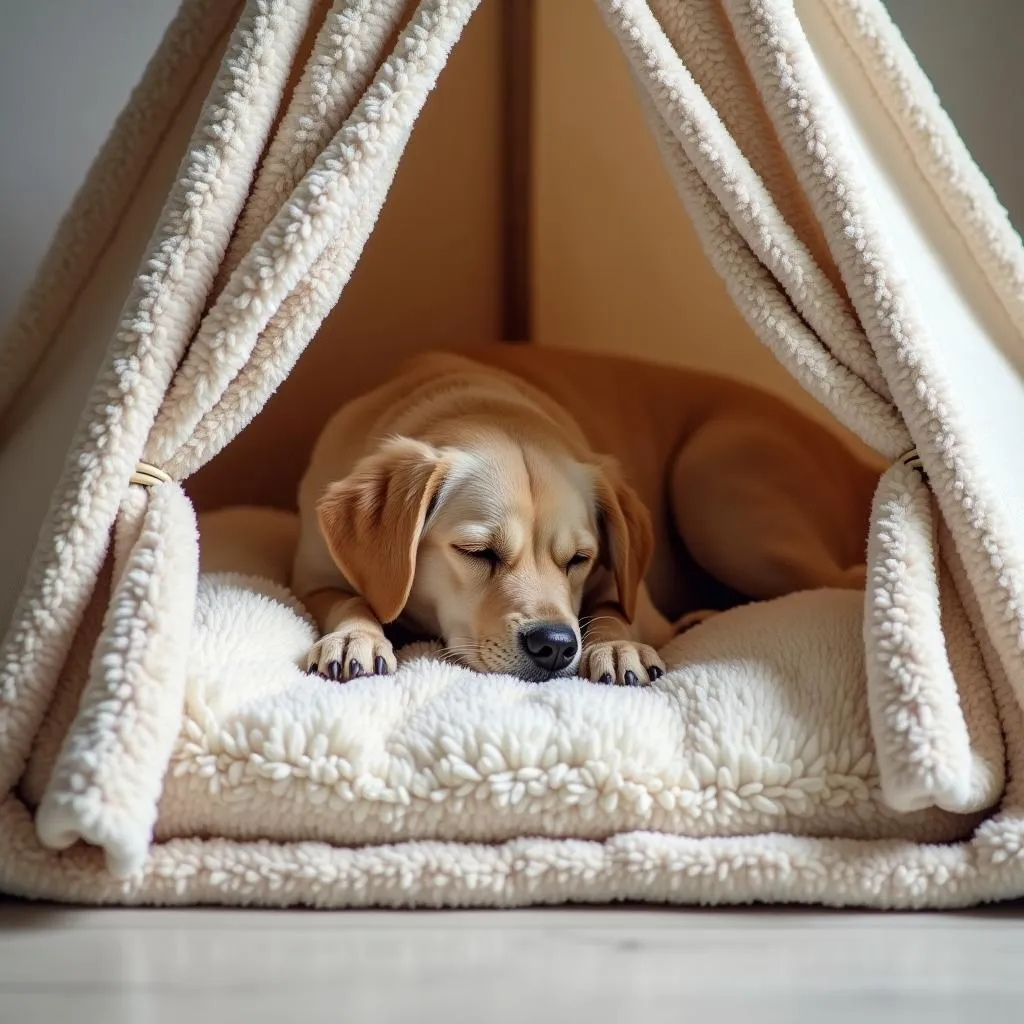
(158,742)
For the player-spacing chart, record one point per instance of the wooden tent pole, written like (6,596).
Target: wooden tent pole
(518,19)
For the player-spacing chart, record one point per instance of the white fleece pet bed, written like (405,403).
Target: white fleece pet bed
(781,764)
(767,722)
(763,727)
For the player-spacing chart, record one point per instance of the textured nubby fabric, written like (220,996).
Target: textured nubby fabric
(157,740)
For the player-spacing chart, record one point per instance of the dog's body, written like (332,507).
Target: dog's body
(480,500)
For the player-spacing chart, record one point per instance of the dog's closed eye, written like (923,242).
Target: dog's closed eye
(488,555)
(493,559)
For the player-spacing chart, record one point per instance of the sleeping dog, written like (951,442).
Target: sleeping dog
(547,514)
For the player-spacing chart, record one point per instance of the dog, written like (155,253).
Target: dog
(546,513)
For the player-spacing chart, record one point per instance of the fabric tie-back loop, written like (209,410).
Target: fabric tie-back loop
(912,460)
(147,475)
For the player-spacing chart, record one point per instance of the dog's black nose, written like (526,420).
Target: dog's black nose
(550,645)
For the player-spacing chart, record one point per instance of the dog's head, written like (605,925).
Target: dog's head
(489,545)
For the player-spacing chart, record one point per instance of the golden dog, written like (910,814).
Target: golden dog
(547,514)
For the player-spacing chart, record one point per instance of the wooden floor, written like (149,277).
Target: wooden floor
(637,965)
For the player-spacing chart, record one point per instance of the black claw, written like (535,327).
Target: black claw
(380,666)
(355,670)
(630,679)
(606,678)
(312,670)
(655,672)
(334,670)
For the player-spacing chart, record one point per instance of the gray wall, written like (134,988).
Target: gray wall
(971,50)
(67,66)
(66,69)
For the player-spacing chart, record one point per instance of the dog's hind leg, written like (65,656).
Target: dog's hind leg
(768,510)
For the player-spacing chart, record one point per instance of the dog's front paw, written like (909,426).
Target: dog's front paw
(622,662)
(349,654)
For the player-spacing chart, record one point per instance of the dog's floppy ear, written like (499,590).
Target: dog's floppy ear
(627,539)
(372,520)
